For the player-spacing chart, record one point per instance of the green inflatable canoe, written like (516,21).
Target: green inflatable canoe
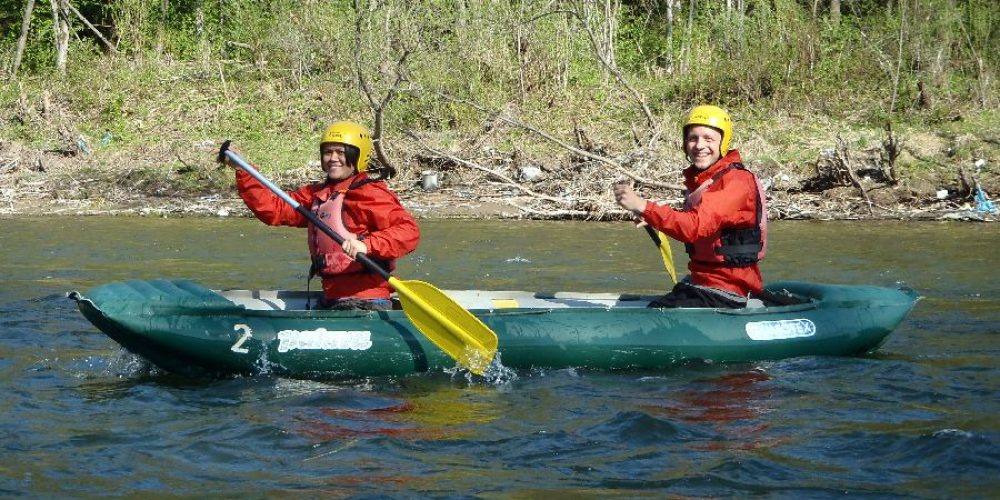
(185,328)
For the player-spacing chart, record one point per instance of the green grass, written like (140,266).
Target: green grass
(273,78)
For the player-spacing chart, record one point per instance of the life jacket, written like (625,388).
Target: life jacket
(328,256)
(734,247)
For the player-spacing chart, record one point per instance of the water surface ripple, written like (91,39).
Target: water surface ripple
(917,419)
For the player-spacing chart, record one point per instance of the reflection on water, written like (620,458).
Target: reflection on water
(441,413)
(732,404)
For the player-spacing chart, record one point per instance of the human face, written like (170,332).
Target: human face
(701,145)
(333,159)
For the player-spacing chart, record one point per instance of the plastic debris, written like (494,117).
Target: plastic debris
(81,143)
(429,180)
(983,202)
(529,173)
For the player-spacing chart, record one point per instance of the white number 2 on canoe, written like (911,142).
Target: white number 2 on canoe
(238,346)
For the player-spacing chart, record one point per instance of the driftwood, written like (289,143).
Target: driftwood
(614,165)
(552,214)
(503,178)
(843,153)
(964,184)
(891,148)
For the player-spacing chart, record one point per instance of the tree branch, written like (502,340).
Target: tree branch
(569,147)
(100,36)
(376,105)
(506,180)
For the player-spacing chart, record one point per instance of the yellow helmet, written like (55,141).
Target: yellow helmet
(351,134)
(715,117)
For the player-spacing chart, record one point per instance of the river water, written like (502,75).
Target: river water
(917,419)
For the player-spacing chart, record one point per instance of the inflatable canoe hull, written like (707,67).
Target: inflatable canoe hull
(185,328)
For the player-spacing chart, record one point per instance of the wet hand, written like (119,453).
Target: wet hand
(353,247)
(628,199)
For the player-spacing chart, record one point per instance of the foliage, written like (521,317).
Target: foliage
(266,70)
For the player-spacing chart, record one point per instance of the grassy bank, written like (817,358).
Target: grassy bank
(588,92)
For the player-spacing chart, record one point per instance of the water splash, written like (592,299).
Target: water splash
(953,432)
(496,374)
(263,365)
(125,364)
(499,375)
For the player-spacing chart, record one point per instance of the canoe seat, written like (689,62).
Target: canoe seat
(286,300)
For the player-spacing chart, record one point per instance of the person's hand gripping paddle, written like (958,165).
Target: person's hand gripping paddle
(438,317)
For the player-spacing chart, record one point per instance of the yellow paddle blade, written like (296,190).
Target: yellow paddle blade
(448,325)
(668,257)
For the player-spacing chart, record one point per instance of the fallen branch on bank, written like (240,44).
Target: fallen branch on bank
(551,214)
(506,180)
(844,156)
(614,165)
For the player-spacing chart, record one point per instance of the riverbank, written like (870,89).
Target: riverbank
(458,204)
(163,182)
(518,113)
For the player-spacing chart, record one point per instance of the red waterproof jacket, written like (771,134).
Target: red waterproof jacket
(370,211)
(730,202)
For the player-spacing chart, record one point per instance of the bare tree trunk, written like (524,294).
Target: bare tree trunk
(602,28)
(835,12)
(161,29)
(899,57)
(60,19)
(670,35)
(23,39)
(521,50)
(611,8)
(461,14)
(222,27)
(608,63)
(566,50)
(687,37)
(199,28)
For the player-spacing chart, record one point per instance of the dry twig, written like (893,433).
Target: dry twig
(617,167)
(506,180)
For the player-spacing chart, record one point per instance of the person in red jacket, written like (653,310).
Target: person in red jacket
(723,223)
(359,208)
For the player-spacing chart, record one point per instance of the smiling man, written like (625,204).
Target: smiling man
(723,223)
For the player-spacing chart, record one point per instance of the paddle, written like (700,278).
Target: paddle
(660,240)
(442,320)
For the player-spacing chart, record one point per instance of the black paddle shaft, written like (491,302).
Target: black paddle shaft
(652,234)
(360,257)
